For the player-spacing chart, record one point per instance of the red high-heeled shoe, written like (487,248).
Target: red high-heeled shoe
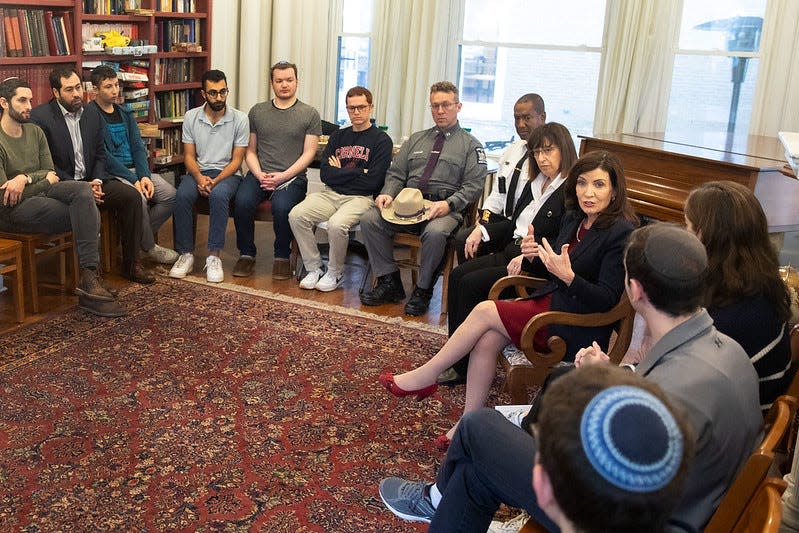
(386,378)
(442,442)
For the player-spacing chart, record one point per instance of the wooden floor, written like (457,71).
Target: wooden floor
(54,301)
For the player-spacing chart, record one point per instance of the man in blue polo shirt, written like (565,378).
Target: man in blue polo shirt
(215,139)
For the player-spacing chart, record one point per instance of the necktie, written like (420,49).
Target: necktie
(524,200)
(431,162)
(514,181)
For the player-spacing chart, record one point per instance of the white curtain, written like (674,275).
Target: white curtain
(414,45)
(776,100)
(635,77)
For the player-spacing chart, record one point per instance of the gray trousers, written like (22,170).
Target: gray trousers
(156,210)
(378,237)
(65,206)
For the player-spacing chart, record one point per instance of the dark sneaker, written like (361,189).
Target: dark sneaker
(281,269)
(410,500)
(419,302)
(388,290)
(91,286)
(450,376)
(101,307)
(244,266)
(136,272)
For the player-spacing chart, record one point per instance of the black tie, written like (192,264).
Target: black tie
(431,161)
(514,182)
(524,200)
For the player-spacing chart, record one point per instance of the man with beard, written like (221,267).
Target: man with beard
(284,134)
(75,137)
(35,200)
(215,137)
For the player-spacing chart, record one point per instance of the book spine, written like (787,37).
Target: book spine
(70,32)
(15,32)
(24,31)
(50,30)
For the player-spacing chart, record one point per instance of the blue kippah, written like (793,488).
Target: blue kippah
(631,439)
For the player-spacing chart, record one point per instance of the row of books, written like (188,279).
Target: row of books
(173,104)
(35,32)
(170,143)
(110,7)
(172,32)
(174,71)
(176,6)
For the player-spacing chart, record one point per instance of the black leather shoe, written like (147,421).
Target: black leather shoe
(419,302)
(388,290)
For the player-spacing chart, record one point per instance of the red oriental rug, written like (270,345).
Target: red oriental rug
(209,409)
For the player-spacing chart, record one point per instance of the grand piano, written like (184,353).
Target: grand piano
(662,169)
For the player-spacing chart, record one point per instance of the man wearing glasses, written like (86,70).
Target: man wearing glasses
(448,166)
(214,141)
(353,170)
(284,135)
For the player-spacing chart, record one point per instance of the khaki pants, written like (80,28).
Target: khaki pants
(342,212)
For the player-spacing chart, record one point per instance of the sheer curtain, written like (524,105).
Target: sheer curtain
(776,101)
(635,77)
(414,45)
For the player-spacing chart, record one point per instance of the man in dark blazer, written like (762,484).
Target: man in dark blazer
(75,136)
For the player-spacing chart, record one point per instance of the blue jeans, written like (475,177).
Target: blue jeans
(249,196)
(489,462)
(219,207)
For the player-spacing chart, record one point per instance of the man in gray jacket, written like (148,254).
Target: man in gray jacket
(448,166)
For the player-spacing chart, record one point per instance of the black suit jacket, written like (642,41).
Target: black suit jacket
(598,264)
(49,117)
(546,220)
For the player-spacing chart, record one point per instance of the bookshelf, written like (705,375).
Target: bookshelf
(173,75)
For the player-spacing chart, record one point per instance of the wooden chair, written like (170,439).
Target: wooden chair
(109,241)
(764,512)
(39,245)
(779,424)
(414,243)
(11,265)
(519,377)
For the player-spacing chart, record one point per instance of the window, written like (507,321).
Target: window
(353,51)
(715,67)
(513,47)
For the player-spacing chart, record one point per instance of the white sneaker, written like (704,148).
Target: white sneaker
(213,269)
(329,282)
(511,526)
(182,266)
(162,255)
(310,280)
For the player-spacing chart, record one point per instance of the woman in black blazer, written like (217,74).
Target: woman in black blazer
(586,271)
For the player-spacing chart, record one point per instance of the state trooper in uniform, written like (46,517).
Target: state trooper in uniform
(448,165)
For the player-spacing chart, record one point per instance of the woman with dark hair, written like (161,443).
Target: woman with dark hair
(586,276)
(551,154)
(744,293)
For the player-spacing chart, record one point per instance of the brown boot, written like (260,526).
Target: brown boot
(136,272)
(90,286)
(101,307)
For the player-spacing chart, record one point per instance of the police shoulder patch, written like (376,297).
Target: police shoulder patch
(481,154)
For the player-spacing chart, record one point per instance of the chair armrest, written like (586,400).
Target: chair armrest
(520,283)
(621,312)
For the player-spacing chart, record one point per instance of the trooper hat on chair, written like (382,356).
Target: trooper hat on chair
(409,207)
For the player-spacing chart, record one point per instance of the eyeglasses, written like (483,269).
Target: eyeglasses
(445,106)
(358,108)
(546,150)
(214,93)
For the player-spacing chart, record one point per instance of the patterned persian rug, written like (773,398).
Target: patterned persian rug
(209,409)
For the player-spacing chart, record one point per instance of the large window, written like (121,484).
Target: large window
(513,47)
(353,51)
(715,67)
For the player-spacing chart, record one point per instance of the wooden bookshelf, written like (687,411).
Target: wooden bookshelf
(193,15)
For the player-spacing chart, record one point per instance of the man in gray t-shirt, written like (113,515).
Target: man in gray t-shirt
(284,134)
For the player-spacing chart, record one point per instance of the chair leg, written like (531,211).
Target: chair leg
(29,265)
(19,288)
(450,261)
